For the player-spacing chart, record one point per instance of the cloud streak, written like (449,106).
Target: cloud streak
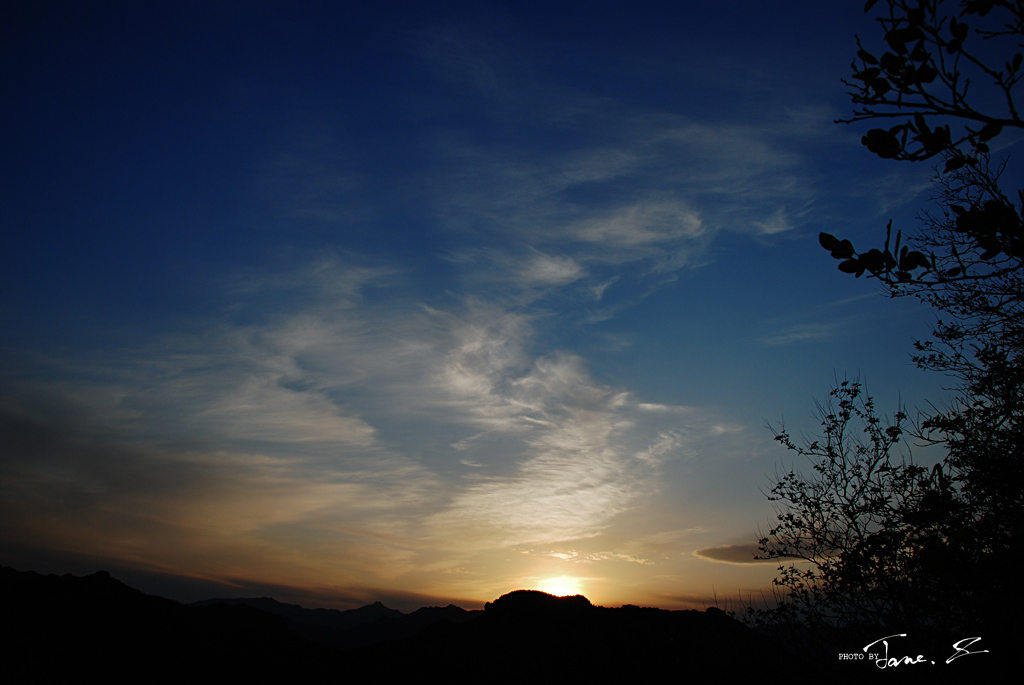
(390,435)
(734,554)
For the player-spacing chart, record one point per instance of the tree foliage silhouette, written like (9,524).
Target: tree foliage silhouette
(885,542)
(948,79)
(865,538)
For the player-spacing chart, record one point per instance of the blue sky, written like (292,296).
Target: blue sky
(429,302)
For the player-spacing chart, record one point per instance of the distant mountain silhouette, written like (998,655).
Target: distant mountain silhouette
(327,618)
(528,635)
(61,627)
(527,602)
(366,625)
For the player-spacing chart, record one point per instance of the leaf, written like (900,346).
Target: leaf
(959,30)
(898,38)
(868,74)
(868,5)
(843,250)
(898,46)
(867,57)
(979,7)
(990,131)
(935,141)
(873,260)
(828,241)
(917,260)
(954,163)
(888,261)
(850,266)
(893,64)
(954,272)
(926,73)
(908,263)
(883,143)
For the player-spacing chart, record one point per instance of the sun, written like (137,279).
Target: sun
(562,586)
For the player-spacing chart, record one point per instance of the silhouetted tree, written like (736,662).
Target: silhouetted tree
(949,82)
(937,55)
(861,539)
(916,548)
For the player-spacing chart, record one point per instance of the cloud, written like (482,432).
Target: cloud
(240,438)
(546,270)
(85,487)
(666,443)
(572,478)
(261,409)
(778,223)
(329,280)
(642,225)
(808,332)
(371,436)
(649,196)
(577,192)
(591,557)
(588,177)
(734,554)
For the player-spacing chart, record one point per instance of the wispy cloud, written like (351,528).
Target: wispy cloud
(548,270)
(734,554)
(799,333)
(590,557)
(625,189)
(384,432)
(652,198)
(626,230)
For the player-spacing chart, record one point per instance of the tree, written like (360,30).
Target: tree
(927,83)
(864,540)
(949,82)
(936,53)
(916,549)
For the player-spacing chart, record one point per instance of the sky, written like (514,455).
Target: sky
(429,302)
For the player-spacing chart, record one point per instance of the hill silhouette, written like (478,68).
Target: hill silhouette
(57,627)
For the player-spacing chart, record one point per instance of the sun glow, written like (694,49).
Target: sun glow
(562,586)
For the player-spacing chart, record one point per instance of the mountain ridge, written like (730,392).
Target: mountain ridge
(101,623)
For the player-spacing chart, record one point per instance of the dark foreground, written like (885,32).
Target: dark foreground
(61,627)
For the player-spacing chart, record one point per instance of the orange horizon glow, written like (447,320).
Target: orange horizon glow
(562,586)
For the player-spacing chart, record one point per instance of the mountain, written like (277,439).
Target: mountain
(530,635)
(352,628)
(58,627)
(327,618)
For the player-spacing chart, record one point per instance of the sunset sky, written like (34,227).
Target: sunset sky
(428,302)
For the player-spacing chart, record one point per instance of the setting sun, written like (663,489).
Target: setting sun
(562,586)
